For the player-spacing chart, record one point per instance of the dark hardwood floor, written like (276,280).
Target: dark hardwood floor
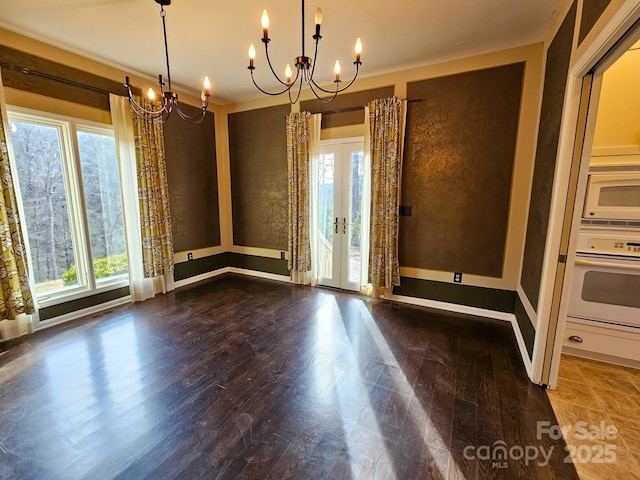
(248,378)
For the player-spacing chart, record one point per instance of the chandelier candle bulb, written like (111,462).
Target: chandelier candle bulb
(336,70)
(151,94)
(287,73)
(206,92)
(252,55)
(318,19)
(358,50)
(265,26)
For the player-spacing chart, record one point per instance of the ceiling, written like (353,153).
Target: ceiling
(211,37)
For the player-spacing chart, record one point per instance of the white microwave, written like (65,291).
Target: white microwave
(613,196)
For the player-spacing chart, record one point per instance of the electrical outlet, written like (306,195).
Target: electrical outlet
(189,256)
(457,277)
(404,211)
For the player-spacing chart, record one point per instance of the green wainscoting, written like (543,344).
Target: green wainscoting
(212,263)
(82,303)
(526,327)
(478,297)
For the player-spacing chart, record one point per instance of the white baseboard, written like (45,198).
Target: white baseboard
(256,273)
(241,271)
(452,307)
(201,277)
(478,312)
(524,353)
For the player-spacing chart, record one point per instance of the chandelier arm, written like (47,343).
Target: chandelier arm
(143,112)
(293,102)
(164,117)
(313,64)
(338,90)
(352,80)
(270,93)
(266,51)
(323,100)
(147,114)
(197,118)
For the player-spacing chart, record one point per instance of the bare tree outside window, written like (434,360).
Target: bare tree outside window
(50,189)
(102,201)
(38,157)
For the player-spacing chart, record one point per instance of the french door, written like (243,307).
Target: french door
(340,191)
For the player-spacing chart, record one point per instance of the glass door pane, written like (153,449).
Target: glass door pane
(326,214)
(355,217)
(99,165)
(38,159)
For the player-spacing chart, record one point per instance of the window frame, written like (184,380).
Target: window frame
(68,129)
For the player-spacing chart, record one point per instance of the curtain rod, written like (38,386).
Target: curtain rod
(361,107)
(48,76)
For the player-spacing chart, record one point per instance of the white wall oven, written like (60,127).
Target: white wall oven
(604,307)
(606,282)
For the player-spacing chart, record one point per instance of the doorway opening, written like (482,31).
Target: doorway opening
(596,337)
(341,170)
(606,159)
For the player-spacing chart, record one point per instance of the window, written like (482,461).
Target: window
(66,176)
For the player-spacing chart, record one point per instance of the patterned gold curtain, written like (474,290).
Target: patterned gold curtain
(298,157)
(155,217)
(15,295)
(386,126)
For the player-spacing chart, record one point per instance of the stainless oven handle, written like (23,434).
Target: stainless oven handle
(622,265)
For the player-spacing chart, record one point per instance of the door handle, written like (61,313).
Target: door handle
(622,265)
(344,225)
(336,225)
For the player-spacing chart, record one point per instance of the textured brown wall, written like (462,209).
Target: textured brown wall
(258,155)
(555,81)
(40,84)
(591,12)
(193,181)
(345,100)
(459,153)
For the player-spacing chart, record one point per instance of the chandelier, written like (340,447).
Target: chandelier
(305,66)
(169,97)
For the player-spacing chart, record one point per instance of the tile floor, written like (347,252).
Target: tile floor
(603,399)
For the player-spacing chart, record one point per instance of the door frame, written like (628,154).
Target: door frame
(551,320)
(344,254)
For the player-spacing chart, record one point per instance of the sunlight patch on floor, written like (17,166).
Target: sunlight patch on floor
(415,412)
